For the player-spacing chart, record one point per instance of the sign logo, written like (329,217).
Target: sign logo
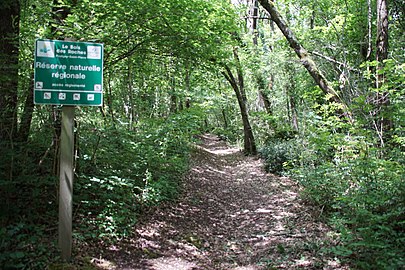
(97,88)
(45,49)
(93,52)
(62,96)
(39,85)
(76,96)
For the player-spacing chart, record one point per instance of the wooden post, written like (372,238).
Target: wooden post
(66,182)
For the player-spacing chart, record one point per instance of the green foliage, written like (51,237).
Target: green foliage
(365,197)
(360,188)
(280,155)
(25,246)
(163,56)
(28,207)
(230,134)
(129,171)
(118,175)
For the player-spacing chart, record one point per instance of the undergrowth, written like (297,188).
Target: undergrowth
(119,173)
(360,190)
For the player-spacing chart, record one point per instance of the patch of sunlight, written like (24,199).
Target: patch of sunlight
(151,231)
(239,213)
(290,194)
(279,227)
(223,152)
(170,263)
(281,215)
(303,262)
(335,263)
(113,248)
(216,170)
(249,267)
(103,264)
(263,211)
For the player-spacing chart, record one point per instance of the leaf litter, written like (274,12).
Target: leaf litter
(231,215)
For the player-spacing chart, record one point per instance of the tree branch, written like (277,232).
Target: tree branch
(335,61)
(301,52)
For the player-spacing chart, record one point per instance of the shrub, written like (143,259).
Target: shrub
(123,172)
(365,200)
(280,156)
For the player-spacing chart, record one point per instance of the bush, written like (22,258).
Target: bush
(122,172)
(118,174)
(231,134)
(283,155)
(365,199)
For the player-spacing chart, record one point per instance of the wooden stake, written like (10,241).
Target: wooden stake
(66,182)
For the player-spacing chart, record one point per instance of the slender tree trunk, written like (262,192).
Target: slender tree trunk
(188,86)
(109,99)
(255,19)
(302,53)
(26,118)
(263,96)
(173,102)
(312,21)
(173,95)
(131,105)
(238,87)
(9,31)
(266,101)
(258,74)
(382,30)
(369,30)
(382,101)
(292,104)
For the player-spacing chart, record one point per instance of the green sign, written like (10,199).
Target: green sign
(68,73)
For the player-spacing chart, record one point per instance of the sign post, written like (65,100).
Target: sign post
(66,181)
(67,73)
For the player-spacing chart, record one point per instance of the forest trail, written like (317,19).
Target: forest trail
(232,215)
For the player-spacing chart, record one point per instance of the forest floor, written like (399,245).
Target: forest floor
(231,215)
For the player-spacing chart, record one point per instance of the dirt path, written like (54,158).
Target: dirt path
(232,216)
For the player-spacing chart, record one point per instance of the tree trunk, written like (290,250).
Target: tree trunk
(238,87)
(254,24)
(383,123)
(26,118)
(9,31)
(302,53)
(258,74)
(369,30)
(382,30)
(187,100)
(263,96)
(292,104)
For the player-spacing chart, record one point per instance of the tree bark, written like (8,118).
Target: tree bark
(9,31)
(254,24)
(382,30)
(26,118)
(369,30)
(292,104)
(263,96)
(238,87)
(301,52)
(258,74)
(383,123)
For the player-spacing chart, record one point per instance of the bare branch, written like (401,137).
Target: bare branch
(335,61)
